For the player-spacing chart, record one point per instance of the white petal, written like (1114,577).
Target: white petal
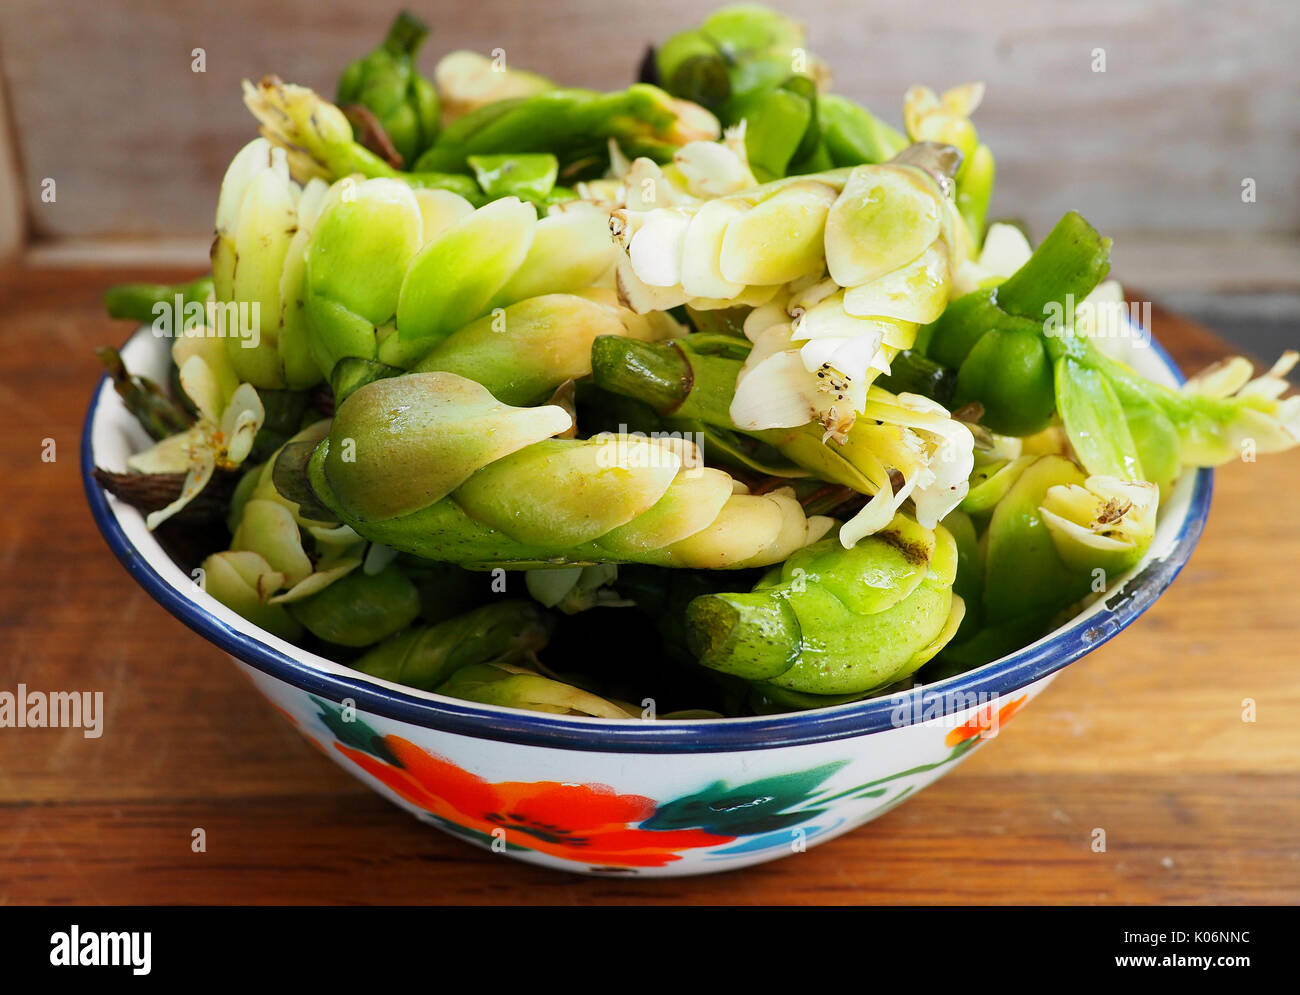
(249,161)
(333,541)
(946,456)
(776,393)
(712,169)
(809,296)
(1285,364)
(1268,388)
(197,478)
(818,526)
(870,519)
(851,356)
(764,317)
(917,292)
(1005,250)
(774,339)
(656,248)
(638,295)
(829,320)
(241,421)
(963,100)
(316,581)
(169,455)
(646,188)
(701,269)
(619,164)
(312,201)
(818,352)
(203,387)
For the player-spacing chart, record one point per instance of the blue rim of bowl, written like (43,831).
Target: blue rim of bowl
(997,679)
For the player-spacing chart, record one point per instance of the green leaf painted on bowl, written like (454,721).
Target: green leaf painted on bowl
(758,807)
(352,731)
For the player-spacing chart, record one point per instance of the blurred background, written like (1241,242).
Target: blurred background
(1173,126)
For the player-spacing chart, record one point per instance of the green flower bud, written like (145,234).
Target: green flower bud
(242,580)
(360,608)
(516,687)
(432,464)
(835,621)
(386,83)
(426,656)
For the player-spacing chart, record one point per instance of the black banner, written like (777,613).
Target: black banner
(166,945)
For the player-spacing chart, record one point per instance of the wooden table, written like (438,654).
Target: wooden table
(1144,738)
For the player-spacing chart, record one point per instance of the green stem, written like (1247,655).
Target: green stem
(136,301)
(749,635)
(1186,413)
(671,378)
(657,373)
(1081,349)
(1071,260)
(570,124)
(406,35)
(719,344)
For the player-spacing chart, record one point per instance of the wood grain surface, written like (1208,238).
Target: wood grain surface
(1144,738)
(1194,96)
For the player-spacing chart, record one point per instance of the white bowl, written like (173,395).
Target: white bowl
(630,796)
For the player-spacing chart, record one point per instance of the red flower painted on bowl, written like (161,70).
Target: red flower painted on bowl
(589,823)
(983,724)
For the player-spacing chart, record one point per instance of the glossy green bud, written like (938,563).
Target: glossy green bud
(528,177)
(735,52)
(1009,373)
(835,621)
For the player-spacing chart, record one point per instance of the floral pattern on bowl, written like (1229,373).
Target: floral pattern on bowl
(594,828)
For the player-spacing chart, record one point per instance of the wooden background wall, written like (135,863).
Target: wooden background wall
(1196,96)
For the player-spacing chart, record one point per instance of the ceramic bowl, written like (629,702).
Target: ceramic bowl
(627,797)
